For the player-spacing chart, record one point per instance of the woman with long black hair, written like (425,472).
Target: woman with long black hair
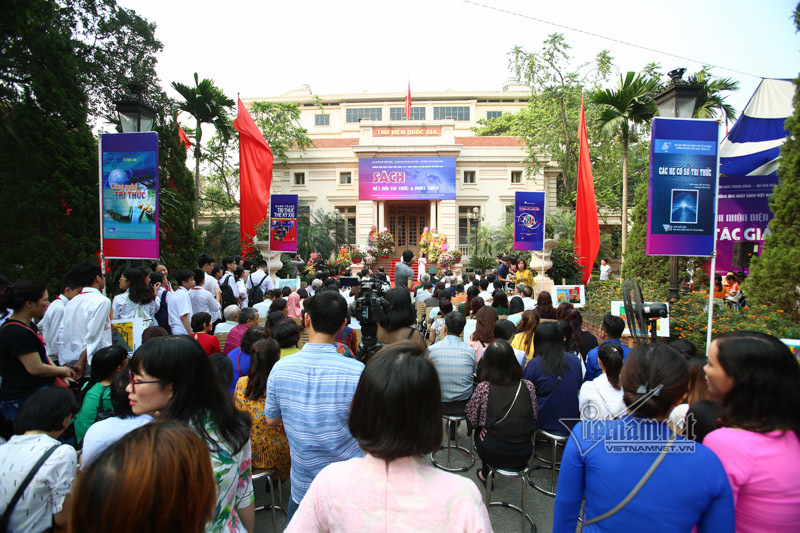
(139,301)
(172,378)
(557,376)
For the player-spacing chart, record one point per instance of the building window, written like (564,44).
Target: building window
(399,113)
(363,113)
(469,177)
(322,120)
(509,213)
(516,176)
(346,229)
(345,178)
(467,225)
(493,114)
(299,178)
(458,113)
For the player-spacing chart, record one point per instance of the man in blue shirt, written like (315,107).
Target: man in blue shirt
(309,392)
(610,331)
(455,362)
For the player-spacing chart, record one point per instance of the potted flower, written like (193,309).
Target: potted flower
(456,255)
(446,259)
(357,256)
(369,260)
(380,242)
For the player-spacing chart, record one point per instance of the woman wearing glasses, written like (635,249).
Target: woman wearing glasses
(172,379)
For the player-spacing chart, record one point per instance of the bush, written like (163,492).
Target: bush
(689,315)
(485,263)
(565,264)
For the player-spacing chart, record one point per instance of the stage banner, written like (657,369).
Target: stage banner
(283,223)
(129,195)
(743,214)
(407,178)
(528,220)
(683,184)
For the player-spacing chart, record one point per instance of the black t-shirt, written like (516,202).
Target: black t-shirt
(17,339)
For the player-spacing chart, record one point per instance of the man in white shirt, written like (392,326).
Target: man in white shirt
(228,268)
(425,292)
(206,263)
(202,301)
(52,324)
(485,293)
(527,298)
(180,306)
(87,320)
(260,278)
(231,314)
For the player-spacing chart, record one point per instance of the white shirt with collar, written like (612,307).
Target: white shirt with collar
(210,284)
(256,279)
(203,302)
(87,326)
(230,279)
(179,305)
(262,307)
(529,303)
(52,325)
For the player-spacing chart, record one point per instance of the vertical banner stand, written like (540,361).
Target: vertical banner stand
(713,267)
(100,203)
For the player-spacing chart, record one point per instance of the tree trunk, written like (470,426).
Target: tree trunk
(197,185)
(624,215)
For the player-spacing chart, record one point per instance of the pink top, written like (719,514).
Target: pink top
(293,305)
(764,472)
(367,494)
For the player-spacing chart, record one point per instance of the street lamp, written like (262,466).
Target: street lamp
(338,219)
(135,114)
(475,218)
(677,99)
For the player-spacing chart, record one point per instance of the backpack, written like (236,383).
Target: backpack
(256,295)
(162,315)
(228,298)
(138,312)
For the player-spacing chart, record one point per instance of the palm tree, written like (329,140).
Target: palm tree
(624,108)
(207,104)
(710,101)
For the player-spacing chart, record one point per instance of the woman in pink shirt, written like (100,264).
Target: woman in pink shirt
(396,418)
(757,379)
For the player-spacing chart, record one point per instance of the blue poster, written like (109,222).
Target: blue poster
(129,195)
(683,187)
(528,220)
(407,178)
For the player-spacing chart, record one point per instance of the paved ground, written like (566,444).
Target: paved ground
(539,506)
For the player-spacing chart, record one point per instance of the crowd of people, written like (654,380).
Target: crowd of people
(221,385)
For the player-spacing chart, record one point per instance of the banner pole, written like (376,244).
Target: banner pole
(713,267)
(100,203)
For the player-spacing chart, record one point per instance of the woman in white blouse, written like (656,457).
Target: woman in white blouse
(139,299)
(601,399)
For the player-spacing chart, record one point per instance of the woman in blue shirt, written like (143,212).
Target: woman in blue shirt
(557,377)
(606,460)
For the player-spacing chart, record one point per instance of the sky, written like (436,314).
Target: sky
(263,49)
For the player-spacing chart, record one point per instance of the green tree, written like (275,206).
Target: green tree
(279,122)
(710,101)
(316,234)
(637,263)
(774,276)
(221,237)
(207,104)
(625,109)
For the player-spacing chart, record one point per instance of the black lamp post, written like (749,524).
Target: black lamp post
(677,99)
(475,218)
(135,114)
(338,220)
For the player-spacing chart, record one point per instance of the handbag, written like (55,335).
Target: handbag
(22,486)
(635,489)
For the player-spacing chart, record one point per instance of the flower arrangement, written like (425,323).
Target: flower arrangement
(357,254)
(456,255)
(369,259)
(343,256)
(433,244)
(380,242)
(446,258)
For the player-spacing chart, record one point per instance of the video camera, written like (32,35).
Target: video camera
(368,308)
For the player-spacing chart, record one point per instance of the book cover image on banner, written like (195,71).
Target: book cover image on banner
(683,187)
(528,220)
(283,223)
(407,178)
(129,195)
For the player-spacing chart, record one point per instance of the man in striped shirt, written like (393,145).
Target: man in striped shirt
(455,362)
(309,392)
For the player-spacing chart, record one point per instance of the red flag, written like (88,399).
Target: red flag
(255,174)
(184,138)
(587,227)
(408,102)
